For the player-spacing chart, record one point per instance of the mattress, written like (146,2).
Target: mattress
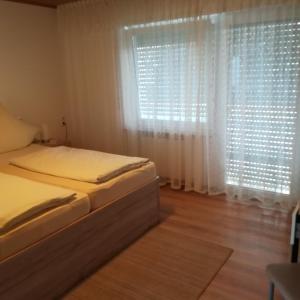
(99,194)
(43,225)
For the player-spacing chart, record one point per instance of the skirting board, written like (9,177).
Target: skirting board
(50,267)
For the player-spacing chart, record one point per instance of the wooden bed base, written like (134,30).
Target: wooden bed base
(50,267)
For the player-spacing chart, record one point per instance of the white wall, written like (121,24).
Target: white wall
(30,71)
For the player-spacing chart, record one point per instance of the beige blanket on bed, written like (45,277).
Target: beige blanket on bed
(22,199)
(79,164)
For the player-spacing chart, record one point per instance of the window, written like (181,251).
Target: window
(264,75)
(215,70)
(168,76)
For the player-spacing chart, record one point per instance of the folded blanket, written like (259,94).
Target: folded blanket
(21,199)
(78,164)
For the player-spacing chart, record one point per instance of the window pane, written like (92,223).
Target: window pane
(167,70)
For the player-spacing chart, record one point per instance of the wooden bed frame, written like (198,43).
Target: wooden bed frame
(50,267)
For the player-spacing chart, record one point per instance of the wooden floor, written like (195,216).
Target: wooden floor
(258,237)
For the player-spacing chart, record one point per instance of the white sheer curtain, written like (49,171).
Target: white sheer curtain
(87,30)
(208,91)
(167,75)
(262,131)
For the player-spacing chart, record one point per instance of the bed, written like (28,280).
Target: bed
(99,194)
(121,210)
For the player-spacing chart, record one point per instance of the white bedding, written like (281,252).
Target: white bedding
(79,164)
(22,199)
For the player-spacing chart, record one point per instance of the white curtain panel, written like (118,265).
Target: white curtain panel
(89,58)
(208,91)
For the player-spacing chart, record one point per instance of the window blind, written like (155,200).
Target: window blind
(167,71)
(262,112)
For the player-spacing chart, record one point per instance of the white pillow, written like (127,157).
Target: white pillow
(14,133)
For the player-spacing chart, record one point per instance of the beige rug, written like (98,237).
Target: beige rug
(161,265)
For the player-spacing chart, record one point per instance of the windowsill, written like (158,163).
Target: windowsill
(163,135)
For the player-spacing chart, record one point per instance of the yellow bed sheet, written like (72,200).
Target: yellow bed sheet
(99,194)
